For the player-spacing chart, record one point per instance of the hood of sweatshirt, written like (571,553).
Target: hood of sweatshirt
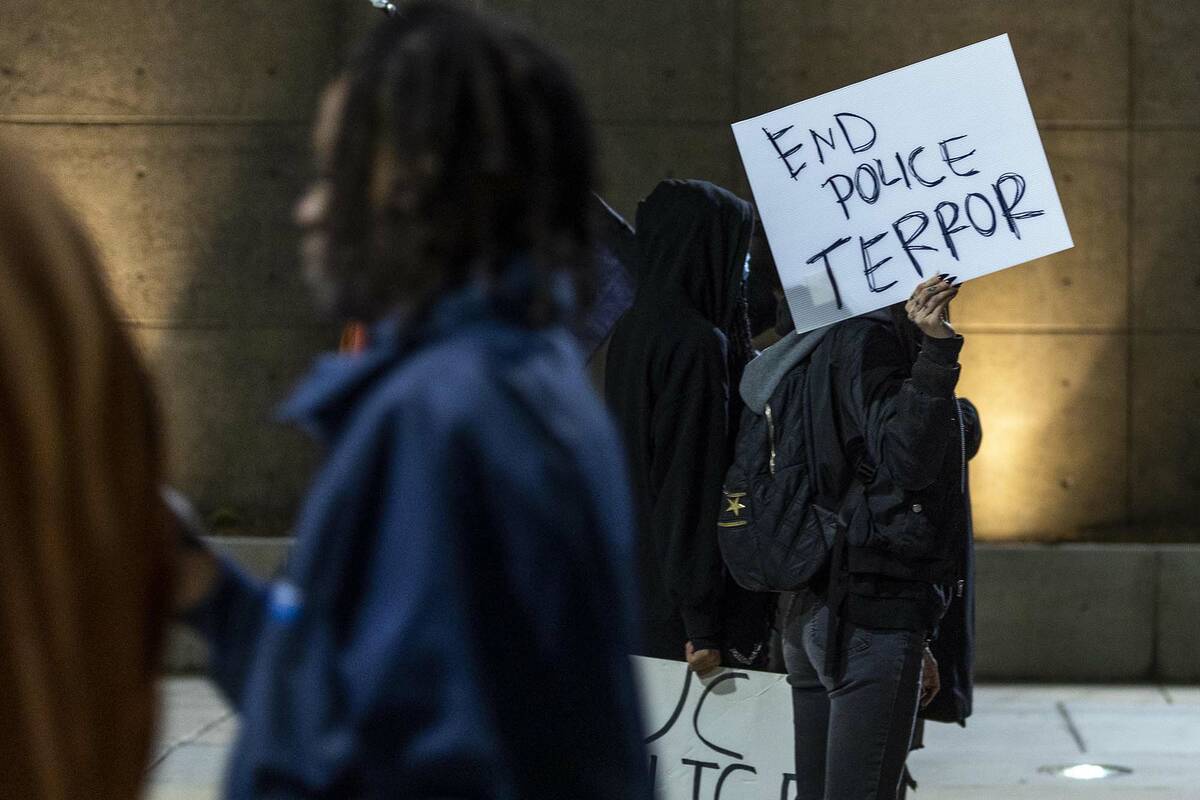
(692,239)
(764,373)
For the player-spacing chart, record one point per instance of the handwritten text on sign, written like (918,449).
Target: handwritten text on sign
(725,737)
(934,168)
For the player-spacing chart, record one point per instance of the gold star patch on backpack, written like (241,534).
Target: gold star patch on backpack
(731,517)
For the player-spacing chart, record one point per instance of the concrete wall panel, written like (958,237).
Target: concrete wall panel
(1166,61)
(639,61)
(1074,54)
(1178,614)
(524,13)
(1065,613)
(1166,239)
(1084,286)
(193,222)
(634,158)
(224,57)
(1053,409)
(1166,433)
(219,390)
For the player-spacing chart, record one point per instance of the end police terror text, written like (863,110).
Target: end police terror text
(919,168)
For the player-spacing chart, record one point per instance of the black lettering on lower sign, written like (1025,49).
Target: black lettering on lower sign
(698,775)
(732,768)
(728,676)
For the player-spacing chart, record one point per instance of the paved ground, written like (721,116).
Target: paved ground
(1153,730)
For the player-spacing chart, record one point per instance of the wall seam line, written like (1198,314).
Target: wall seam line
(1130,233)
(148,120)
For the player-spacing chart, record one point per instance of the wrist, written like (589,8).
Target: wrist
(943,330)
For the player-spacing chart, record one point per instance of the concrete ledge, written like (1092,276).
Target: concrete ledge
(1089,612)
(1178,652)
(1066,612)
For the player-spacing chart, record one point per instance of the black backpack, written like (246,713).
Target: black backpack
(776,529)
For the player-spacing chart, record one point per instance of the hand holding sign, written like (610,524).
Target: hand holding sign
(934,168)
(928,304)
(702,662)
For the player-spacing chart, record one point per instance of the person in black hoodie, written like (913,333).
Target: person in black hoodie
(877,406)
(671,362)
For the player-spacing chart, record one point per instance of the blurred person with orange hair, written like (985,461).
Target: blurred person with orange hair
(85,570)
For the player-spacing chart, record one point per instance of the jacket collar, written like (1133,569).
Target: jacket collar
(326,396)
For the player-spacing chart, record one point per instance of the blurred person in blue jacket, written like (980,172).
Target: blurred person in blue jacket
(454,618)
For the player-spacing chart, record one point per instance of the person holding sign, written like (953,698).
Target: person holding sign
(671,363)
(891,440)
(455,616)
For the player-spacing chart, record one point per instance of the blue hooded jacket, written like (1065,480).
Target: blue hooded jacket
(455,617)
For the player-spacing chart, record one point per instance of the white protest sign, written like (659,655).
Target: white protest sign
(726,737)
(934,168)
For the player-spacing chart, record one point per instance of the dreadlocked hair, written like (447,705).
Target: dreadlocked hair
(463,146)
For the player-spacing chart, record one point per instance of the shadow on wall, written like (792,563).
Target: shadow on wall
(242,328)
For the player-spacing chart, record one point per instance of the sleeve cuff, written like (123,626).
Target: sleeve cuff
(943,351)
(703,630)
(936,371)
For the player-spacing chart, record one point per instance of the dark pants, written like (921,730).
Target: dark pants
(853,730)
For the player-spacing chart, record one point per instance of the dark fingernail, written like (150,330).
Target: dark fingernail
(943,275)
(952,280)
(956,286)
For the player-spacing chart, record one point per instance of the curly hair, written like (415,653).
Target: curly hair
(486,154)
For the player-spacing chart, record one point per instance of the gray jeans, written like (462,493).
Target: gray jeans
(853,729)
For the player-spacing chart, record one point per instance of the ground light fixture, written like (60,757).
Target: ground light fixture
(1086,772)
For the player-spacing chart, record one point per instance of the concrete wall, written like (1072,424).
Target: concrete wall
(179,129)
(1044,612)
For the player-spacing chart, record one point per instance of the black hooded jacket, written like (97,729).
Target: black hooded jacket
(671,365)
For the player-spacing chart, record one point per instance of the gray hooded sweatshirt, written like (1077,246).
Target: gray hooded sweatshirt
(764,373)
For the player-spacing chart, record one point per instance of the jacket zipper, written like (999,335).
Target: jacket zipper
(960,584)
(771,438)
(962,444)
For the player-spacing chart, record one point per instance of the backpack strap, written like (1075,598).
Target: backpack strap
(855,494)
(839,572)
